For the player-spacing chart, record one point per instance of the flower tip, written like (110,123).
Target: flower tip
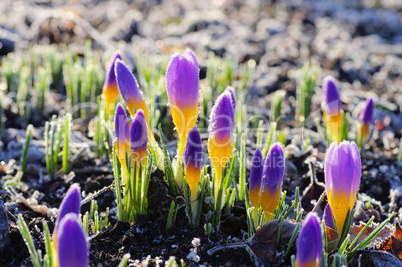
(328,217)
(72,246)
(70,203)
(309,245)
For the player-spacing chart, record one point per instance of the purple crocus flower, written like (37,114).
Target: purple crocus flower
(271,182)
(220,141)
(128,88)
(255,178)
(182,85)
(110,90)
(328,217)
(139,137)
(122,132)
(70,204)
(309,244)
(332,102)
(193,160)
(367,114)
(72,246)
(342,178)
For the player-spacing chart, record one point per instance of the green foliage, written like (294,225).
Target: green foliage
(276,105)
(305,91)
(53,134)
(172,215)
(92,222)
(132,200)
(24,155)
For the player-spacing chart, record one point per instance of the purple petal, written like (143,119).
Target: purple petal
(309,244)
(357,173)
(110,75)
(256,170)
(332,101)
(191,57)
(70,204)
(342,169)
(127,83)
(182,81)
(121,127)
(367,114)
(139,133)
(232,95)
(193,149)
(72,245)
(328,217)
(274,169)
(327,167)
(222,117)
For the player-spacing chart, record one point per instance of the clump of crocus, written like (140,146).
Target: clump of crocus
(328,217)
(366,119)
(135,101)
(122,132)
(332,108)
(342,178)
(271,182)
(309,244)
(182,85)
(193,162)
(110,90)
(221,136)
(72,245)
(139,139)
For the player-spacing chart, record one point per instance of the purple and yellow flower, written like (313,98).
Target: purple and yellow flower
(122,132)
(139,138)
(366,118)
(328,217)
(309,244)
(255,178)
(72,245)
(128,88)
(182,85)
(69,204)
(193,160)
(342,178)
(110,90)
(221,137)
(271,182)
(332,107)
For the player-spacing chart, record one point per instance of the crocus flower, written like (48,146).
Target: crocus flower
(332,107)
(110,90)
(272,176)
(328,217)
(342,178)
(72,246)
(220,140)
(128,88)
(139,138)
(309,244)
(122,132)
(193,160)
(69,204)
(182,85)
(135,101)
(366,118)
(255,178)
